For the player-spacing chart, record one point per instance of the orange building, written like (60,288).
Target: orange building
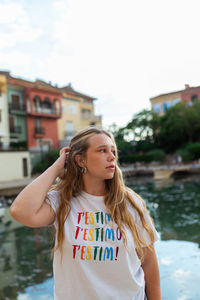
(43,106)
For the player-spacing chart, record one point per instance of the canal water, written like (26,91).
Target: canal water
(26,266)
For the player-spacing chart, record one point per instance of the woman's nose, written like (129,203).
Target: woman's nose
(111,156)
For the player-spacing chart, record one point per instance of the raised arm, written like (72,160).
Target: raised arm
(151,273)
(30,208)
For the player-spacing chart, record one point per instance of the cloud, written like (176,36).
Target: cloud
(166,261)
(181,276)
(15,25)
(14,57)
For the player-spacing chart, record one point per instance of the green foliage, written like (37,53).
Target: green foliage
(185,154)
(48,159)
(190,152)
(194,150)
(157,155)
(22,145)
(180,125)
(154,155)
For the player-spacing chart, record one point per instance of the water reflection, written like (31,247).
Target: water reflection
(24,257)
(175,207)
(26,267)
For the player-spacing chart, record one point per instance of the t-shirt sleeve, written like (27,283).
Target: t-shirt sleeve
(53,200)
(141,230)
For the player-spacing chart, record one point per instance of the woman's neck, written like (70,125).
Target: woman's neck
(96,188)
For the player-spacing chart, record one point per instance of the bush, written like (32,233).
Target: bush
(129,158)
(18,145)
(185,154)
(194,150)
(190,152)
(48,159)
(157,155)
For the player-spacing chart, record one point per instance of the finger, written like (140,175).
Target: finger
(64,150)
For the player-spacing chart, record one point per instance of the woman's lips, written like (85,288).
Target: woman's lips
(111,167)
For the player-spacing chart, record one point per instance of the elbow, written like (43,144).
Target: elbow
(19,216)
(13,211)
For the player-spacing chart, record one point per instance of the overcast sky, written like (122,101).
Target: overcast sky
(120,51)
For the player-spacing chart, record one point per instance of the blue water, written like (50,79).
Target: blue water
(26,266)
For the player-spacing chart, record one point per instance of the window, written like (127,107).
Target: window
(25,167)
(38,123)
(175,101)
(166,106)
(157,108)
(72,109)
(37,104)
(194,98)
(15,102)
(69,128)
(85,114)
(63,108)
(38,127)
(46,106)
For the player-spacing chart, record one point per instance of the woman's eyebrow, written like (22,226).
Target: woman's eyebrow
(105,146)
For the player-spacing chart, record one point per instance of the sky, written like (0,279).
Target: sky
(122,52)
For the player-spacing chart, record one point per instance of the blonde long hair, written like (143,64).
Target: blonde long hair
(116,198)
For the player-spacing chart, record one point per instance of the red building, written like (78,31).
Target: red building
(42,103)
(190,94)
(43,106)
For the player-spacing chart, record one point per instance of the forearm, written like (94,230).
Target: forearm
(152,285)
(32,197)
(152,276)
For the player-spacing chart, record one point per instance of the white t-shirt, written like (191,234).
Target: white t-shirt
(95,264)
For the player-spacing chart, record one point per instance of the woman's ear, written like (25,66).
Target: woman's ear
(79,160)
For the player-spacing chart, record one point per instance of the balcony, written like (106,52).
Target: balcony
(91,118)
(69,134)
(17,108)
(39,131)
(16,129)
(45,112)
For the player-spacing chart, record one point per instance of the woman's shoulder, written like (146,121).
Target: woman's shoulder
(135,197)
(53,199)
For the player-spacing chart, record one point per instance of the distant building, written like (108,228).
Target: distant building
(15,165)
(77,113)
(4,118)
(161,103)
(38,116)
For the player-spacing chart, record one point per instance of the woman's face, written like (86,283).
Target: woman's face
(100,157)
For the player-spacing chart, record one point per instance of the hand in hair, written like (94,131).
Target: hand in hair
(61,161)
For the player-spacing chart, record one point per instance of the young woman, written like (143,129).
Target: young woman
(104,234)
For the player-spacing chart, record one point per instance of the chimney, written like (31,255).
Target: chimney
(187,86)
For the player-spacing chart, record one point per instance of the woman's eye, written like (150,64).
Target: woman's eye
(102,150)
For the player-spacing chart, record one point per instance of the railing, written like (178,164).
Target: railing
(91,118)
(15,129)
(51,111)
(17,106)
(69,134)
(39,130)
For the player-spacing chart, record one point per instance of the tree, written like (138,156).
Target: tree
(180,125)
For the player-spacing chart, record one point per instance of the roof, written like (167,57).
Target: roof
(186,90)
(41,84)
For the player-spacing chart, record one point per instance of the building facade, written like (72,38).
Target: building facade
(43,108)
(38,117)
(77,113)
(4,117)
(161,103)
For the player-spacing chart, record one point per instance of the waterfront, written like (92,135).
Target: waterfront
(26,267)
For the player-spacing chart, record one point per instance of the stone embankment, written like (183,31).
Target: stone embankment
(159,172)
